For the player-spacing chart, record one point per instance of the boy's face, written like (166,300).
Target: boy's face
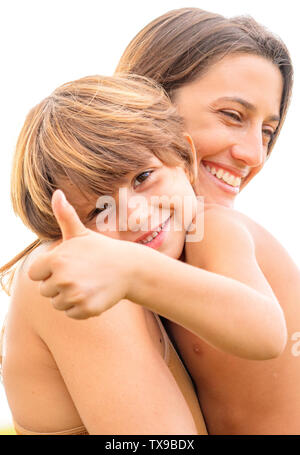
(155,207)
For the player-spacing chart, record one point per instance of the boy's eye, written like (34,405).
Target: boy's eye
(97,211)
(141,178)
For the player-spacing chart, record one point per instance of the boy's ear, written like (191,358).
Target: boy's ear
(194,173)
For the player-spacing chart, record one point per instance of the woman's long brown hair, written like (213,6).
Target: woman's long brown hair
(181,45)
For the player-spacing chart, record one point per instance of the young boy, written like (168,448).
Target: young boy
(122,141)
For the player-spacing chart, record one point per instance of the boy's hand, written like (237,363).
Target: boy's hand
(87,273)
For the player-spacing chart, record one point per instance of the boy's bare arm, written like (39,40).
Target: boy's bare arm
(224,298)
(237,313)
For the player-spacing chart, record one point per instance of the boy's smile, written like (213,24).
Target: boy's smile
(158,204)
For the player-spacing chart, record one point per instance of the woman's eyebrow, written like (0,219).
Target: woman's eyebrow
(247,105)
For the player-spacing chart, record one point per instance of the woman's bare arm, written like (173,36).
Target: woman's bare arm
(117,380)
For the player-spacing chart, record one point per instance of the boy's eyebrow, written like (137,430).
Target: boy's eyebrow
(247,105)
(142,167)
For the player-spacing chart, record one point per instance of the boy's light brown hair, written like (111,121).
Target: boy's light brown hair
(91,132)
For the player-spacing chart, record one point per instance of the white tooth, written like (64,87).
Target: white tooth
(226,176)
(237,181)
(208,168)
(231,179)
(149,238)
(220,173)
(154,234)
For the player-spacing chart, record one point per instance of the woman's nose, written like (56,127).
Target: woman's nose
(249,149)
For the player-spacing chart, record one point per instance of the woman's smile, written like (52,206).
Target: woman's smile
(228,179)
(231,112)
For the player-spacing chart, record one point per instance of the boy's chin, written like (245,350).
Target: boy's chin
(173,251)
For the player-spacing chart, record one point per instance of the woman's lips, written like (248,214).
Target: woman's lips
(227,167)
(220,183)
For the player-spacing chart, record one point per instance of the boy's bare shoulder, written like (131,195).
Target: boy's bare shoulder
(220,210)
(264,240)
(221,219)
(214,212)
(224,230)
(230,225)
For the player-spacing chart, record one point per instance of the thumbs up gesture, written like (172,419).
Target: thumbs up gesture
(87,273)
(67,218)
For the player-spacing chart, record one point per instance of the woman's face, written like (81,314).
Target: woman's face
(154,207)
(231,112)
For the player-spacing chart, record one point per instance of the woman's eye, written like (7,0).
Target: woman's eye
(141,178)
(233,115)
(269,133)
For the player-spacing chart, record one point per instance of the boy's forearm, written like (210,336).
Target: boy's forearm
(227,314)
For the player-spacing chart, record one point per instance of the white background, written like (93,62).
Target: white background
(46,43)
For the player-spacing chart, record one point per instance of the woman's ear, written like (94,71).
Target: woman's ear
(194,170)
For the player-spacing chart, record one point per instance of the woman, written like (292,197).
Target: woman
(231,81)
(267,133)
(186,50)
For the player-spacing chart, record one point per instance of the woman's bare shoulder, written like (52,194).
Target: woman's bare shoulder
(44,247)
(114,350)
(25,298)
(38,311)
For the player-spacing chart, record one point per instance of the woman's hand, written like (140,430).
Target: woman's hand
(80,282)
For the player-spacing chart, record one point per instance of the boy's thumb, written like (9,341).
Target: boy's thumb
(66,216)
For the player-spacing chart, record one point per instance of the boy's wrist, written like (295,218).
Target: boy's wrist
(139,270)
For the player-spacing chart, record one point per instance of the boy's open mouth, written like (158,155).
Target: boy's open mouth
(156,235)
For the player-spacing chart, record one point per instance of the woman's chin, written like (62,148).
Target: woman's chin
(217,197)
